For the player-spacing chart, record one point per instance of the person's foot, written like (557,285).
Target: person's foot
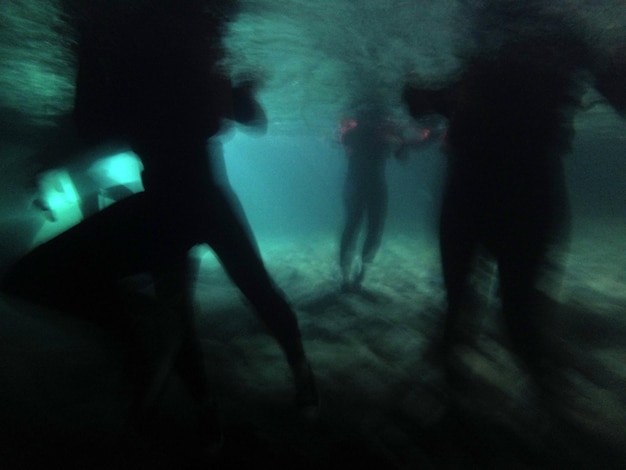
(360,275)
(307,396)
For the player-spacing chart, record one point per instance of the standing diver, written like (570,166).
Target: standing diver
(147,74)
(368,140)
(510,125)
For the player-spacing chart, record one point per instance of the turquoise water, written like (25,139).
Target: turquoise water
(380,394)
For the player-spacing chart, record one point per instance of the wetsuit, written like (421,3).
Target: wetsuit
(365,192)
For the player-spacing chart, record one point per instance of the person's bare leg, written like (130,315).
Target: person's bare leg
(181,349)
(237,251)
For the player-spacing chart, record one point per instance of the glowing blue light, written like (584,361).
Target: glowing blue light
(58,193)
(58,190)
(62,195)
(121,168)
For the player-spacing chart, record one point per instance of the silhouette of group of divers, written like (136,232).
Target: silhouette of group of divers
(149,78)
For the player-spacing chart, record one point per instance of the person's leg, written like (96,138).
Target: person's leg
(177,346)
(457,245)
(235,248)
(173,283)
(354,207)
(537,229)
(376,216)
(519,267)
(237,252)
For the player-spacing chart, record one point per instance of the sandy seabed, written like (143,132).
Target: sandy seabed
(64,397)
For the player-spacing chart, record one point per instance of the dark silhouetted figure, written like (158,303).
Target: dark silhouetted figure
(510,125)
(147,75)
(369,140)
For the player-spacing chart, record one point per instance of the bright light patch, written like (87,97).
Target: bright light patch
(122,168)
(58,190)
(59,194)
(61,200)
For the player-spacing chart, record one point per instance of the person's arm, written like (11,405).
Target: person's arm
(610,81)
(421,102)
(246,109)
(399,143)
(418,138)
